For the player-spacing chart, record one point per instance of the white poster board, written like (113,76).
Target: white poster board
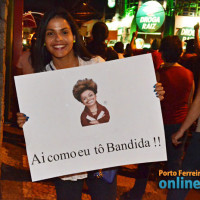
(56,142)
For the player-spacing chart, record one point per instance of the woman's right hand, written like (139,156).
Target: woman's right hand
(176,136)
(21,119)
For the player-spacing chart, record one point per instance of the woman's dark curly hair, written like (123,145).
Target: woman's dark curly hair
(83,85)
(39,55)
(171,48)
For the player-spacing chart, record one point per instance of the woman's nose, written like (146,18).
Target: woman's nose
(58,37)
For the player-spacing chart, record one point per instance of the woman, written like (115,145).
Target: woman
(191,160)
(59,46)
(94,113)
(98,45)
(119,48)
(175,106)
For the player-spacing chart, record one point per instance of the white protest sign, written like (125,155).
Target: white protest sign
(56,142)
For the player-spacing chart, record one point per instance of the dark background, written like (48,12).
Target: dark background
(44,5)
(96,9)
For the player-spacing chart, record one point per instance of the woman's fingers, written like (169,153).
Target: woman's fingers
(21,122)
(21,119)
(175,141)
(176,137)
(160,94)
(159,91)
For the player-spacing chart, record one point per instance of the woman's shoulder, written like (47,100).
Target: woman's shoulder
(97,59)
(84,112)
(183,69)
(50,67)
(93,60)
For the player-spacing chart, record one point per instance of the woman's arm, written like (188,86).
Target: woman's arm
(106,116)
(132,44)
(191,95)
(192,115)
(84,120)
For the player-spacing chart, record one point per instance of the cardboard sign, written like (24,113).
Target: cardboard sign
(60,139)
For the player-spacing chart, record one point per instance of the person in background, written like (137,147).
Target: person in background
(191,161)
(119,48)
(156,55)
(179,86)
(98,45)
(191,61)
(189,53)
(24,64)
(128,51)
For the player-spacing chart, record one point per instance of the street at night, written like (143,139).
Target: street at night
(102,97)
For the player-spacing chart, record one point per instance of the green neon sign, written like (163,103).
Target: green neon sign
(150,17)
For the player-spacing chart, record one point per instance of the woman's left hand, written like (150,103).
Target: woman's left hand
(159,91)
(94,122)
(176,136)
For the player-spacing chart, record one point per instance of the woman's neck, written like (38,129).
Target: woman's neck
(66,62)
(93,109)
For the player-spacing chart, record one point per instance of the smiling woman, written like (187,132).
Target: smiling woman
(59,41)
(94,113)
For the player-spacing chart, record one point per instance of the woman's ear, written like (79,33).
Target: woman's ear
(74,39)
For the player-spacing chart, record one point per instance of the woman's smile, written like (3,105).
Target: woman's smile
(90,101)
(59,38)
(88,98)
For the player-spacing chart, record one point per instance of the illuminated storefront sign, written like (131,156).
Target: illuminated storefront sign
(150,17)
(184,27)
(186,33)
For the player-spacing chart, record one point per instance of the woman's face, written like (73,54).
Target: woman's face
(59,38)
(88,98)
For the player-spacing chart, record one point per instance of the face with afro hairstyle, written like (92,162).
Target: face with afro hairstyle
(81,86)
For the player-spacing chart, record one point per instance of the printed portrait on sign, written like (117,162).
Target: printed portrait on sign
(85,91)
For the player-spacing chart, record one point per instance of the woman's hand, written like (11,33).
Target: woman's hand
(176,136)
(135,34)
(21,119)
(94,122)
(196,27)
(159,91)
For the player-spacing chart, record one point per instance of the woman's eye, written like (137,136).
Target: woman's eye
(65,32)
(49,33)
